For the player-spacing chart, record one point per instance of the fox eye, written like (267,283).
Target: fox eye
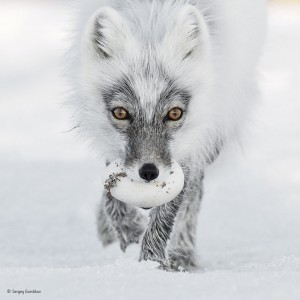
(120,113)
(175,114)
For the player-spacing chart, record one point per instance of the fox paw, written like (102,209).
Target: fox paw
(183,261)
(149,255)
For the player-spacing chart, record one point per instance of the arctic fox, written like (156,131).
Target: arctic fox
(161,81)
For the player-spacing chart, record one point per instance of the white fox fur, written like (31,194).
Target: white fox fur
(210,47)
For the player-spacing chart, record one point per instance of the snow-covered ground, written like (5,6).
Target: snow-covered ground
(249,231)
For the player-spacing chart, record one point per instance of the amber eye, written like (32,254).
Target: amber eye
(120,113)
(175,114)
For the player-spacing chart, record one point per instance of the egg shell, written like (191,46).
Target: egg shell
(142,194)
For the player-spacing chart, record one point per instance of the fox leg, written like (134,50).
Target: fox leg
(117,220)
(156,237)
(182,250)
(106,231)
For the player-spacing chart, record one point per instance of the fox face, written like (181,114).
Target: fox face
(147,132)
(141,87)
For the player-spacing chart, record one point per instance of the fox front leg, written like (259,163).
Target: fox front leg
(126,222)
(182,249)
(158,233)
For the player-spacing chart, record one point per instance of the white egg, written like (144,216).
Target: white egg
(142,194)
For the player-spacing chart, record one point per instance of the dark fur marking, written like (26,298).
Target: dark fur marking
(213,155)
(173,90)
(122,87)
(99,39)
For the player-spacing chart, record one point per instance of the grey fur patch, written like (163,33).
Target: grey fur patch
(123,89)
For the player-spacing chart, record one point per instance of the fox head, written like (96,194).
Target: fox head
(145,81)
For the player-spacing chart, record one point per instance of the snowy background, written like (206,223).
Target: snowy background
(249,231)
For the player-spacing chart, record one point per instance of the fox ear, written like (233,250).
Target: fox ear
(188,35)
(107,33)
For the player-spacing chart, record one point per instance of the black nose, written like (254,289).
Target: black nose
(148,172)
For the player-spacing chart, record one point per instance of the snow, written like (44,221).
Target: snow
(50,185)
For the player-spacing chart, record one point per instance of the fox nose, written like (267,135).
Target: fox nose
(148,172)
